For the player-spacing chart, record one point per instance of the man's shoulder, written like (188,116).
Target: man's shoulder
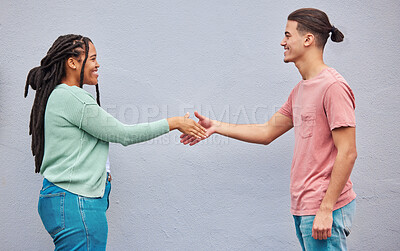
(332,76)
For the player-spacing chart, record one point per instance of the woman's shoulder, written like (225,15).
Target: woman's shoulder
(72,93)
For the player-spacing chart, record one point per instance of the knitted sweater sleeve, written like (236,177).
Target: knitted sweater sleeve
(100,124)
(85,113)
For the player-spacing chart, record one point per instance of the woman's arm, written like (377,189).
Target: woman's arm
(104,126)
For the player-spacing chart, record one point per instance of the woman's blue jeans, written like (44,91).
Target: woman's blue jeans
(74,222)
(342,221)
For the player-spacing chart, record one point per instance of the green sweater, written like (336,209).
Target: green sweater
(77,132)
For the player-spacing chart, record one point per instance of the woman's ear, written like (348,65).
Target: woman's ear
(71,62)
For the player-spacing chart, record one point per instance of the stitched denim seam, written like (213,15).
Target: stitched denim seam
(62,203)
(52,195)
(44,188)
(344,222)
(81,209)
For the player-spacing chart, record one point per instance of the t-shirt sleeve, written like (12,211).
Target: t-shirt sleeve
(339,105)
(286,108)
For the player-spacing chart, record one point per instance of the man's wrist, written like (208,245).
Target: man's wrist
(219,126)
(326,207)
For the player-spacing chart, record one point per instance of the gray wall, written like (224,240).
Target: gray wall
(223,58)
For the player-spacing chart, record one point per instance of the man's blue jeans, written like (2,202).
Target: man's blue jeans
(74,222)
(342,221)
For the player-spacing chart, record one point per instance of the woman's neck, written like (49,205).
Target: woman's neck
(70,82)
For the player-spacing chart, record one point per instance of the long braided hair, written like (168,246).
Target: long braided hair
(44,78)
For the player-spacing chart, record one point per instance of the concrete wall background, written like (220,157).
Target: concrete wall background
(163,58)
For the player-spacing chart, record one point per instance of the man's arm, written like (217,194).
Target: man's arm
(345,141)
(252,133)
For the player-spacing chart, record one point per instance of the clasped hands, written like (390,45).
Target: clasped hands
(206,123)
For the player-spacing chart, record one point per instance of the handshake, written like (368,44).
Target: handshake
(208,127)
(264,134)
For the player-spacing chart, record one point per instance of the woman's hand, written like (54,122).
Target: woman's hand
(187,126)
(207,123)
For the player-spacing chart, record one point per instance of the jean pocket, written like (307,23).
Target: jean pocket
(51,211)
(348,214)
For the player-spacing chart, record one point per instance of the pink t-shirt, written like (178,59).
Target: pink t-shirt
(317,106)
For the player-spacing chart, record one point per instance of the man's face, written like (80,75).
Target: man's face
(292,43)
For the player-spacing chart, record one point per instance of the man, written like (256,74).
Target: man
(321,110)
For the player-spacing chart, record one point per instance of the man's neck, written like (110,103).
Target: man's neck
(311,65)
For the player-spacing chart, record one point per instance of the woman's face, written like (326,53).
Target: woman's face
(91,66)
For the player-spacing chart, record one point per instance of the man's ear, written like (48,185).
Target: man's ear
(309,39)
(71,62)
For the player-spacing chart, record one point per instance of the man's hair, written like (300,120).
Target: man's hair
(316,22)
(44,78)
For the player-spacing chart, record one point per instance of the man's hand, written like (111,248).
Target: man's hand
(187,126)
(345,142)
(207,123)
(322,226)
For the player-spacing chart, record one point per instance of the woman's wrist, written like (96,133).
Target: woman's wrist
(173,123)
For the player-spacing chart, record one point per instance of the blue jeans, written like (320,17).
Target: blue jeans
(342,220)
(74,222)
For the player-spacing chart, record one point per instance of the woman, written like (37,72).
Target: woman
(70,135)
